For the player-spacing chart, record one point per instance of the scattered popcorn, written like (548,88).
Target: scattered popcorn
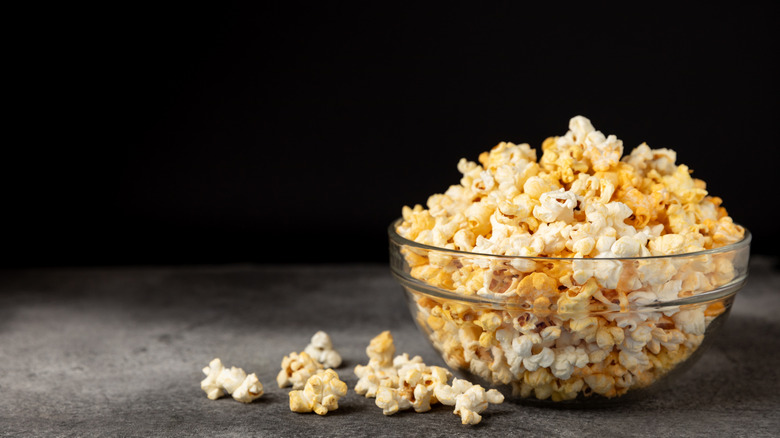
(296,370)
(570,328)
(321,349)
(408,383)
(220,380)
(320,394)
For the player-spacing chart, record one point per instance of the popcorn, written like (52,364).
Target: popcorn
(296,370)
(690,321)
(379,368)
(321,349)
(415,390)
(391,401)
(220,380)
(593,218)
(469,400)
(320,394)
(213,389)
(408,383)
(249,390)
(543,359)
(557,205)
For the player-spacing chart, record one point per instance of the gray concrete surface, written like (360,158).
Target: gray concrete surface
(118,352)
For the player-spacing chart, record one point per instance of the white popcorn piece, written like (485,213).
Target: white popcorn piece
(220,380)
(412,387)
(636,362)
(645,159)
(603,152)
(469,400)
(209,384)
(296,370)
(402,363)
(627,246)
(371,379)
(321,349)
(557,205)
(320,395)
(249,390)
(231,378)
(567,359)
(543,359)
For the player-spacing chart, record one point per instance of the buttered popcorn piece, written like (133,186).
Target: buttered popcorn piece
(321,349)
(391,400)
(221,380)
(379,368)
(586,203)
(320,394)
(296,370)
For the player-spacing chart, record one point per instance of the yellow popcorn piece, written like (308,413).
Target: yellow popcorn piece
(391,401)
(535,285)
(296,370)
(320,394)
(490,321)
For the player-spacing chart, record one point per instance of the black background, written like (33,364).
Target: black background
(185,135)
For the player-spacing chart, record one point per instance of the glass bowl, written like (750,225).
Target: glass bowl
(568,330)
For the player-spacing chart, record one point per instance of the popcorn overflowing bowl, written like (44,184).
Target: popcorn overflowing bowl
(631,325)
(583,275)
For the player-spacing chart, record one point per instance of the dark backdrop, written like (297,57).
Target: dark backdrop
(178,135)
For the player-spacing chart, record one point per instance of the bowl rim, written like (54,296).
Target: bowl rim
(397,238)
(718,293)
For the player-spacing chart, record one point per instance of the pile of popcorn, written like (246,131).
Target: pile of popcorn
(315,389)
(565,323)
(400,383)
(316,386)
(397,382)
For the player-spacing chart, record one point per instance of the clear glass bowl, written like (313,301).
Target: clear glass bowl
(568,330)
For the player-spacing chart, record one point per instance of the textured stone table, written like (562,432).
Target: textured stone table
(119,352)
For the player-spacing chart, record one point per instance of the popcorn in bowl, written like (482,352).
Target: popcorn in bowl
(582,273)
